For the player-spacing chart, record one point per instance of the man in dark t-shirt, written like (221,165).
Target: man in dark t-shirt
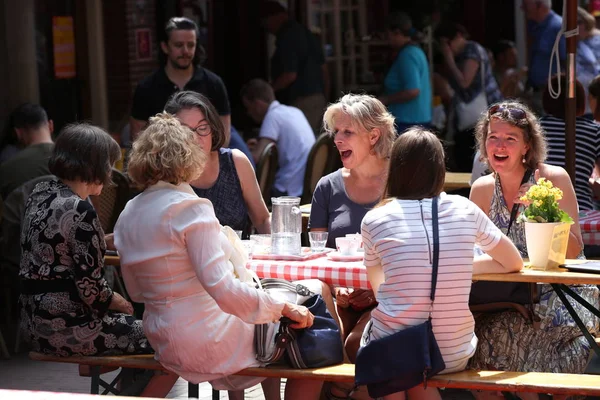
(179,73)
(299,73)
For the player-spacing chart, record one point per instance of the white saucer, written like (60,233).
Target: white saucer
(336,256)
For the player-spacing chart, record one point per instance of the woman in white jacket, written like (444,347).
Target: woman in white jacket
(198,315)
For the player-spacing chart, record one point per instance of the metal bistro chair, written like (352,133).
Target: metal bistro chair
(320,162)
(265,171)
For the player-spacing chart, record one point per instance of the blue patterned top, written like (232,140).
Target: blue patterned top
(226,194)
(500,216)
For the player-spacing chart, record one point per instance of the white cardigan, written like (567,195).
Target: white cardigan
(199,317)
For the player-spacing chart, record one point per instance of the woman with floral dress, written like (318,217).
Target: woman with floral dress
(513,145)
(67,306)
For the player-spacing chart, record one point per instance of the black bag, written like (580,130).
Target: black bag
(318,346)
(406,358)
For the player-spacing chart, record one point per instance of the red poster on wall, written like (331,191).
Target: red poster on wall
(594,7)
(63,40)
(143,47)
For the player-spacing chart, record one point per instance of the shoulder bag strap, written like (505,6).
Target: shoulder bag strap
(436,247)
(515,208)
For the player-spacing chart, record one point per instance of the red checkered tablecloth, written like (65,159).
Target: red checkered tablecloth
(590,226)
(335,273)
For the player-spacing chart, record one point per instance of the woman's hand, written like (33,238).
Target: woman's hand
(109,238)
(342,296)
(524,188)
(361,299)
(119,304)
(446,50)
(299,314)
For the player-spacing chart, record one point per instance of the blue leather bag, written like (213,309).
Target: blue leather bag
(318,346)
(407,358)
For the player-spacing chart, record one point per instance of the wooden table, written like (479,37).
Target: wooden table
(457,180)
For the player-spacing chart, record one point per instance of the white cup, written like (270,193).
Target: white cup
(346,246)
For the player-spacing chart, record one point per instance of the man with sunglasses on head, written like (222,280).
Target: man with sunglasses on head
(182,71)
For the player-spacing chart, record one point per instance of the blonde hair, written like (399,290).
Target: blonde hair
(367,113)
(588,19)
(165,151)
(533,134)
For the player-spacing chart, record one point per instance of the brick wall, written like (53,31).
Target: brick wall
(123,67)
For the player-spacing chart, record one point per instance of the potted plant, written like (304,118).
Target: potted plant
(547,226)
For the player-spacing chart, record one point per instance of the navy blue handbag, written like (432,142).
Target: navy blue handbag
(407,358)
(318,346)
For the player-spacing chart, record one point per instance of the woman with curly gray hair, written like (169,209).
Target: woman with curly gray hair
(512,143)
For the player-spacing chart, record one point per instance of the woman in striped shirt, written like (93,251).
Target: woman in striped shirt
(587,139)
(398,245)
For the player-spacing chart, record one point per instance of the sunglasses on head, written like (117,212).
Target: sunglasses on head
(513,112)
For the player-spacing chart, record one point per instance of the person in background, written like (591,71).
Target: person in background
(182,71)
(511,142)
(68,307)
(237,142)
(506,71)
(299,73)
(593,96)
(396,236)
(588,53)
(363,131)
(287,127)
(407,88)
(543,26)
(24,118)
(466,61)
(199,314)
(588,33)
(228,179)
(33,131)
(587,139)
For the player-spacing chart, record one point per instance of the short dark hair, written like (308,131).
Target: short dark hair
(271,7)
(417,166)
(594,88)
(258,89)
(501,46)
(180,23)
(400,21)
(188,99)
(556,107)
(24,116)
(449,30)
(28,116)
(84,152)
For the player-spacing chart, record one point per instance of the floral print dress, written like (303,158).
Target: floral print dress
(65,297)
(509,342)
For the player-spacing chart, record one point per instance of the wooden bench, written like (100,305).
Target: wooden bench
(536,382)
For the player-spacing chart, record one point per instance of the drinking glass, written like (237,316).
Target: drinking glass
(317,240)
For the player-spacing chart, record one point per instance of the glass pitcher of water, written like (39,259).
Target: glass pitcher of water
(286,225)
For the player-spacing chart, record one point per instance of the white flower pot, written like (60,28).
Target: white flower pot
(547,244)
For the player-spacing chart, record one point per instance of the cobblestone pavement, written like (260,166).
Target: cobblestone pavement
(20,372)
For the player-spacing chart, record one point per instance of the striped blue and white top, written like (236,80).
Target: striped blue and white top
(587,150)
(398,237)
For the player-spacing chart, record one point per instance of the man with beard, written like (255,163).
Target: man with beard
(181,72)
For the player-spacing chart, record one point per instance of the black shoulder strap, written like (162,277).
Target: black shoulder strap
(515,207)
(436,245)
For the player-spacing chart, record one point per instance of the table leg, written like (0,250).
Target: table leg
(560,289)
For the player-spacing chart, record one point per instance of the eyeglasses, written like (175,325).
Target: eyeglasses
(514,113)
(202,130)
